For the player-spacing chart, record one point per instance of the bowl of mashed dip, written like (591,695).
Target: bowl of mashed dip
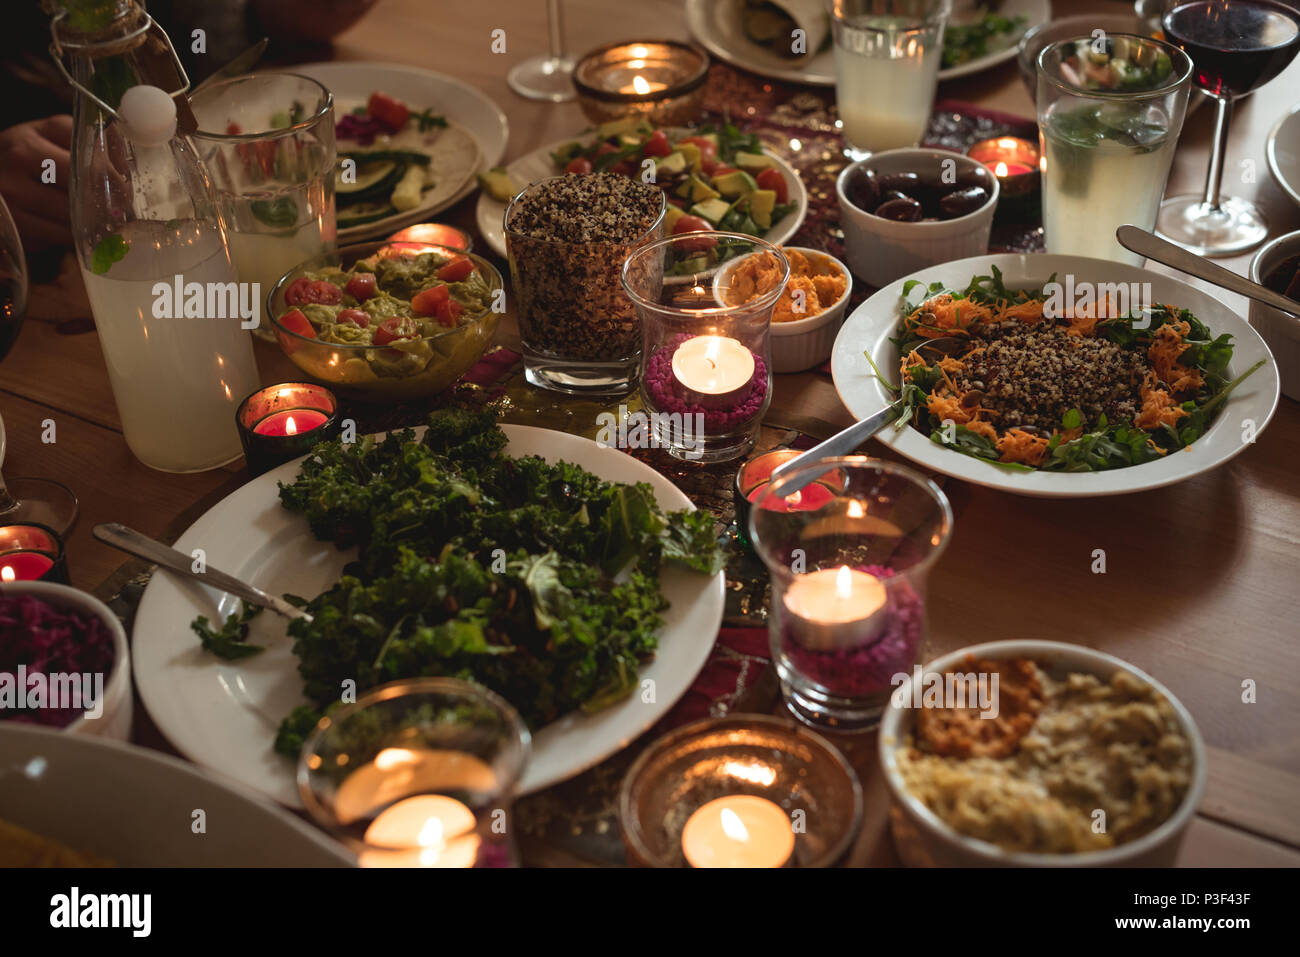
(1039,754)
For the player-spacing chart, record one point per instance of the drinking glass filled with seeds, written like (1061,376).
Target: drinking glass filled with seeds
(567,238)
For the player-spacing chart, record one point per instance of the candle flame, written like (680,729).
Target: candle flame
(844,582)
(1000,170)
(7,573)
(290,426)
(711,352)
(1007,142)
(431,834)
(640,52)
(640,85)
(733,826)
(794,498)
(390,758)
(855,509)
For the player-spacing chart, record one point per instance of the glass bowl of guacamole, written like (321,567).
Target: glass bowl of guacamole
(387,320)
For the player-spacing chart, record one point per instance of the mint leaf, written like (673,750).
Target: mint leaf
(112,248)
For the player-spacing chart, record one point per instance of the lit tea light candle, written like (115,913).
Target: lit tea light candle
(641,86)
(435,234)
(661,80)
(740,830)
(291,422)
(30,553)
(429,830)
(836,607)
(282,422)
(715,371)
(1014,161)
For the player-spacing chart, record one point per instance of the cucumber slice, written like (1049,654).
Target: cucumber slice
(392,156)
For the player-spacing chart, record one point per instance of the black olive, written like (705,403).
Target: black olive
(903,210)
(861,189)
(892,194)
(963,201)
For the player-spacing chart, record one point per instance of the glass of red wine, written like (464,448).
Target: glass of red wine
(1235,46)
(24,500)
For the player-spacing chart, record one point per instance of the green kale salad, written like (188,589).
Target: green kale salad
(539,581)
(1021,379)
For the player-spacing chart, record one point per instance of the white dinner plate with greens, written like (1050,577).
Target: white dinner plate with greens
(224,714)
(471,111)
(538,165)
(870,329)
(717,25)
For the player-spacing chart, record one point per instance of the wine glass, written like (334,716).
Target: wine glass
(547,77)
(24,500)
(1235,46)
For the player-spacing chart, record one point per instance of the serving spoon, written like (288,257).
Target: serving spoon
(142,546)
(1162,251)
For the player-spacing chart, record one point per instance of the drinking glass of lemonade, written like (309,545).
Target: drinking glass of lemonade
(267,140)
(887,56)
(1109,111)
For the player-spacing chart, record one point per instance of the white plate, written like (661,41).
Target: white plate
(472,110)
(872,324)
(1283,152)
(537,165)
(715,24)
(224,715)
(135,807)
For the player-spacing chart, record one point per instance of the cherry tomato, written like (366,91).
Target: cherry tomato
(773,179)
(293,321)
(604,149)
(578,166)
(387,110)
(361,286)
(457,269)
(623,168)
(324,292)
(708,167)
(708,149)
(294,294)
(425,302)
(692,224)
(657,144)
(358,317)
(448,311)
(396,327)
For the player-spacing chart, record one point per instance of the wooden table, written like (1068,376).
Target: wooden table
(1200,582)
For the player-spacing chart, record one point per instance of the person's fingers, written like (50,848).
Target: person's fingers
(38,232)
(56,129)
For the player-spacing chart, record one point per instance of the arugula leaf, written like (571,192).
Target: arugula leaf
(228,641)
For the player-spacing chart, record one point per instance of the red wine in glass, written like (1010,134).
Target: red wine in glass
(1235,46)
(11,318)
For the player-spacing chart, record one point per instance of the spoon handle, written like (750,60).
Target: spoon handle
(841,443)
(142,546)
(1162,251)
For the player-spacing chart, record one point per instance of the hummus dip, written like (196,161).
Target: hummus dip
(1116,747)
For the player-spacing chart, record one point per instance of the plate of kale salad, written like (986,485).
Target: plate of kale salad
(566,576)
(1056,376)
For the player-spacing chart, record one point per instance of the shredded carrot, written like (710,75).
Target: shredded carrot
(1069,435)
(947,407)
(1158,406)
(1020,446)
(1027,312)
(985,429)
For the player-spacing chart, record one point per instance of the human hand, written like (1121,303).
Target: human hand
(40,209)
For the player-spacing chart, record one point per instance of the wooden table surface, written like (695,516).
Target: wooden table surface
(1200,586)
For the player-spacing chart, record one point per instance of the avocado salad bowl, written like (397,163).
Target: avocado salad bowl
(383,321)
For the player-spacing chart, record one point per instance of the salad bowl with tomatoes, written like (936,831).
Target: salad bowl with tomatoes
(386,321)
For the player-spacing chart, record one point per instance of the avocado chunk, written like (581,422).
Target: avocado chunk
(696,190)
(752,162)
(671,215)
(628,139)
(670,165)
(761,204)
(734,184)
(624,124)
(498,184)
(711,209)
(692,154)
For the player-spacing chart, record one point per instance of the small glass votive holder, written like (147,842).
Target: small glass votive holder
(848,602)
(752,479)
(661,81)
(282,422)
(418,773)
(580,334)
(1014,161)
(705,300)
(30,552)
(746,790)
(434,234)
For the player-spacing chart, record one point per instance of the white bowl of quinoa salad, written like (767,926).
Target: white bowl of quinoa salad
(1089,762)
(866,351)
